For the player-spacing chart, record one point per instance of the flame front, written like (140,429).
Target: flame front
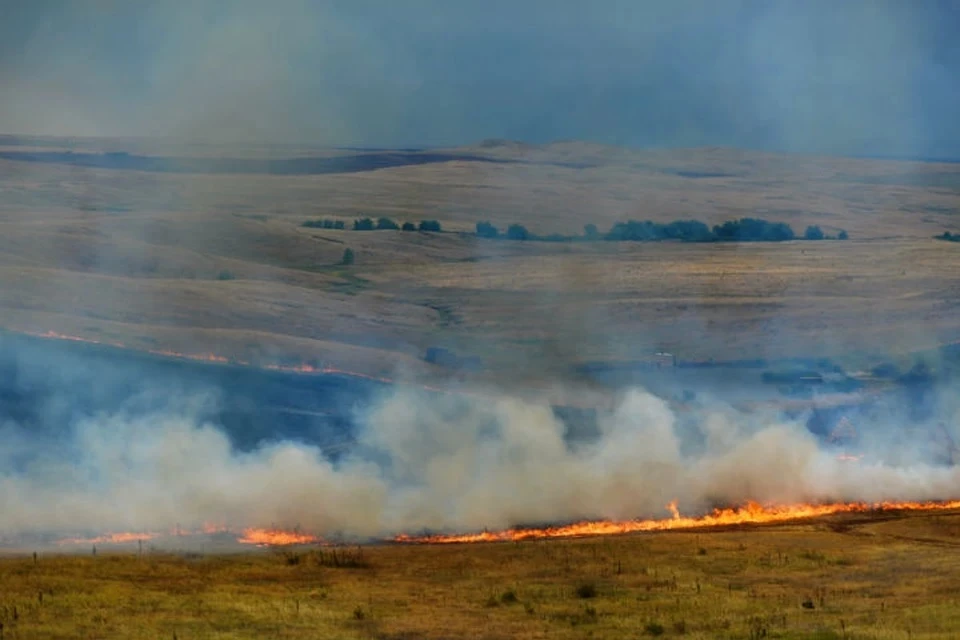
(110,538)
(275,537)
(252,536)
(751,513)
(218,359)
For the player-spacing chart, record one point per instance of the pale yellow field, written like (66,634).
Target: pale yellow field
(220,262)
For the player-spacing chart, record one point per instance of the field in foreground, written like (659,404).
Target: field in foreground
(850,577)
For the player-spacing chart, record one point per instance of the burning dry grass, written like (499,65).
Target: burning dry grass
(852,576)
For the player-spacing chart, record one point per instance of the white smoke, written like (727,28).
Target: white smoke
(427,462)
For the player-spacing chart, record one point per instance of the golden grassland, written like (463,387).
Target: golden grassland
(185,261)
(848,577)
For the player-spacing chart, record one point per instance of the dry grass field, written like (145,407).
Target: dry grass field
(848,577)
(220,262)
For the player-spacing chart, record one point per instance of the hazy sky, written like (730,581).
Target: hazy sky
(861,77)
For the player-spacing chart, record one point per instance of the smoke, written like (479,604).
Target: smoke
(867,77)
(424,461)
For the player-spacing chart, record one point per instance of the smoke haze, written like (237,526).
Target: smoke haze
(424,461)
(861,77)
(134,453)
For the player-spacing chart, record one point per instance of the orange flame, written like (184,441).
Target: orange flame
(110,538)
(254,536)
(275,537)
(751,513)
(212,357)
(849,457)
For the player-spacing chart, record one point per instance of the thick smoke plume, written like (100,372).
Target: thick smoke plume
(432,462)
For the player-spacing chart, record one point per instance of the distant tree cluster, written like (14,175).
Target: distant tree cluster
(646,231)
(742,230)
(487,230)
(949,237)
(380,224)
(324,224)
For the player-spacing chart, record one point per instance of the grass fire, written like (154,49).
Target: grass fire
(168,480)
(428,321)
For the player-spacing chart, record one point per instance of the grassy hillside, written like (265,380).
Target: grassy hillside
(833,579)
(189,260)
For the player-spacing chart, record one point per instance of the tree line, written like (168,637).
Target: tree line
(742,230)
(949,237)
(369,224)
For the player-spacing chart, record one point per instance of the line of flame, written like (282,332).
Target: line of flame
(253,536)
(110,538)
(751,513)
(275,537)
(214,358)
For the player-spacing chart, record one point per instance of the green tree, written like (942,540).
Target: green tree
(387,223)
(363,224)
(486,230)
(429,225)
(518,232)
(813,232)
(347,258)
(409,226)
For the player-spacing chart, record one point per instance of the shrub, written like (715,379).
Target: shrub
(388,224)
(341,558)
(518,232)
(363,224)
(487,230)
(348,257)
(590,232)
(430,225)
(813,232)
(842,235)
(509,596)
(586,590)
(225,275)
(654,629)
(409,226)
